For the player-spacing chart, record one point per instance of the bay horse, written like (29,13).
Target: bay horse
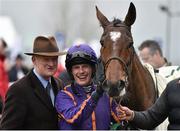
(125,76)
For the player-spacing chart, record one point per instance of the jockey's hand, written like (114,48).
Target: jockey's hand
(124,113)
(99,88)
(98,92)
(101,78)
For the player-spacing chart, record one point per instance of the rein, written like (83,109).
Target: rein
(125,65)
(120,61)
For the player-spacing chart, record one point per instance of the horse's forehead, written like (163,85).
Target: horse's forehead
(114,35)
(117,32)
(121,29)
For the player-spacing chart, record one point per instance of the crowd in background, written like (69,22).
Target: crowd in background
(10,71)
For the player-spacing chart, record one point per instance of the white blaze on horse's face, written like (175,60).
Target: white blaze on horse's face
(115,35)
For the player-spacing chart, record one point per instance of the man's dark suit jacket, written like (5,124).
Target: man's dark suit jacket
(27,105)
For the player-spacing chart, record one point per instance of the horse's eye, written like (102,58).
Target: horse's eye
(130,45)
(102,42)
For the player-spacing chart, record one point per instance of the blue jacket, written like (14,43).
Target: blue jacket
(79,111)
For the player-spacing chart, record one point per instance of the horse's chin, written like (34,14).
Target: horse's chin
(116,89)
(115,92)
(122,92)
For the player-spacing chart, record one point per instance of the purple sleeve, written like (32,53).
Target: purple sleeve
(70,111)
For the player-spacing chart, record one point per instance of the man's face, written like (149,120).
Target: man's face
(82,74)
(147,57)
(46,66)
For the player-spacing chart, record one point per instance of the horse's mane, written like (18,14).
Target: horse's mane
(116,22)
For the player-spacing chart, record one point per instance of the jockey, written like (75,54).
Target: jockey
(82,104)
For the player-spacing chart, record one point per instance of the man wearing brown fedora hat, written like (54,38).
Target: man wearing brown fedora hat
(29,102)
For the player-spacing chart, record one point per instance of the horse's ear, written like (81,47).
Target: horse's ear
(102,19)
(131,15)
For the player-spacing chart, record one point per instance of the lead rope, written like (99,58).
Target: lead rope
(121,123)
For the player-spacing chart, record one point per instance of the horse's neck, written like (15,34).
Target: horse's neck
(142,85)
(138,70)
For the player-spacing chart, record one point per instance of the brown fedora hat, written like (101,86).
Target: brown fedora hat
(45,46)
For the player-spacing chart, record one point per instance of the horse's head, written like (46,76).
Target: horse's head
(117,51)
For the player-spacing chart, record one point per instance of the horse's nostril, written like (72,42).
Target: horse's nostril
(114,89)
(121,84)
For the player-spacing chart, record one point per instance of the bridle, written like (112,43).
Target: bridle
(126,66)
(120,60)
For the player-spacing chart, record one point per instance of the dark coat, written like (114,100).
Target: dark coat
(167,105)
(27,106)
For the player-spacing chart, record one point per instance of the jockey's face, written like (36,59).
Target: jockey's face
(82,74)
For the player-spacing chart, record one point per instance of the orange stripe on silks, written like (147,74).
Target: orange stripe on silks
(72,97)
(65,88)
(112,113)
(78,113)
(59,117)
(93,121)
(88,95)
(115,117)
(93,117)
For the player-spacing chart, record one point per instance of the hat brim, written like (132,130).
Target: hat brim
(48,54)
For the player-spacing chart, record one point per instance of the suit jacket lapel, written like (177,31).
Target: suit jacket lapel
(54,85)
(40,92)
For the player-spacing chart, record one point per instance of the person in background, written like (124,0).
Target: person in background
(151,55)
(60,69)
(82,105)
(3,70)
(29,102)
(63,75)
(150,52)
(18,70)
(167,106)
